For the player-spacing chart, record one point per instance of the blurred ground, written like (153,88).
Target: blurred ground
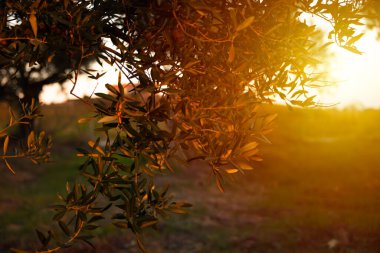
(318,190)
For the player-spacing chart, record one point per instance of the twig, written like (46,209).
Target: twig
(23,38)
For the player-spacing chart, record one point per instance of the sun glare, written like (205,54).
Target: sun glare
(354,79)
(357,77)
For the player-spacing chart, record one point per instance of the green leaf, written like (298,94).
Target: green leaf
(106,97)
(85,239)
(121,224)
(58,207)
(42,238)
(120,86)
(95,219)
(90,227)
(64,228)
(59,215)
(112,89)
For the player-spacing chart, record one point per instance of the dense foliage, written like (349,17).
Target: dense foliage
(199,71)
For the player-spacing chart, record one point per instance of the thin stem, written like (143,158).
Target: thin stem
(23,38)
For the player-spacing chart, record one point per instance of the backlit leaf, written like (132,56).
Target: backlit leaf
(83,120)
(112,89)
(231,53)
(148,223)
(9,166)
(245,23)
(244,165)
(248,147)
(5,147)
(140,244)
(107,119)
(269,119)
(31,140)
(353,50)
(33,23)
(354,39)
(231,171)
(219,184)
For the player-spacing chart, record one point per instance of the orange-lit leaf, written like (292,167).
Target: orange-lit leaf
(126,152)
(244,165)
(219,184)
(250,153)
(9,167)
(83,120)
(248,147)
(92,144)
(33,23)
(245,23)
(227,154)
(140,244)
(256,158)
(5,147)
(50,58)
(231,171)
(30,141)
(107,119)
(148,223)
(231,53)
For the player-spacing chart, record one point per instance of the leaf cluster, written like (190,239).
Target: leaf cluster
(36,148)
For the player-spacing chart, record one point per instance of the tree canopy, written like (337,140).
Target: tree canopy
(206,67)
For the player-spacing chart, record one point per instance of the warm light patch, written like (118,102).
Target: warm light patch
(352,80)
(357,77)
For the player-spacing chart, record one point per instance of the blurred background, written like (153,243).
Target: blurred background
(317,190)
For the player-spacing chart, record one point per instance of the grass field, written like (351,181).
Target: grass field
(317,190)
